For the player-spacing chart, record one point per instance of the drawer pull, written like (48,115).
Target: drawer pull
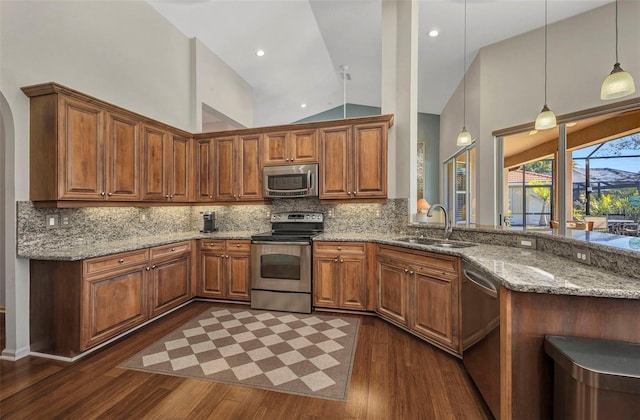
(173,249)
(121,260)
(237,245)
(339,248)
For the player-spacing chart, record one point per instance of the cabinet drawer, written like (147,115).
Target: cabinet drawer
(216,245)
(341,247)
(115,262)
(170,250)
(435,261)
(238,245)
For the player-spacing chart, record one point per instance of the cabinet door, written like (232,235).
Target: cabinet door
(370,157)
(249,173)
(170,284)
(154,163)
(224,169)
(204,170)
(111,305)
(276,148)
(178,181)
(325,278)
(238,276)
(392,291)
(303,146)
(122,148)
(335,172)
(434,312)
(81,147)
(211,283)
(353,282)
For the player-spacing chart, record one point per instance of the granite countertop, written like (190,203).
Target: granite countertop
(523,270)
(517,269)
(86,250)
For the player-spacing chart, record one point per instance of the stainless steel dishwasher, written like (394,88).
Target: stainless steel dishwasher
(481,333)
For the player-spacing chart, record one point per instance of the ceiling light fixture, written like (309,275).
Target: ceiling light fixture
(303,106)
(434,33)
(345,76)
(464,138)
(618,83)
(260,53)
(546,118)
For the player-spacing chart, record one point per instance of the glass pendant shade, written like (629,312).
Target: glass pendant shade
(546,119)
(464,138)
(618,84)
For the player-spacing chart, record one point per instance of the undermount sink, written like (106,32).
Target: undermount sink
(436,242)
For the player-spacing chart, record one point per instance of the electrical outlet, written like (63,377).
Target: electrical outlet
(65,221)
(526,243)
(378,213)
(330,214)
(582,255)
(51,221)
(143,217)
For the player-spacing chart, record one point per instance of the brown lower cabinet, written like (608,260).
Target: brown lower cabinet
(225,269)
(76,305)
(340,275)
(419,291)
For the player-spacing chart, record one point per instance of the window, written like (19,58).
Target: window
(530,203)
(460,186)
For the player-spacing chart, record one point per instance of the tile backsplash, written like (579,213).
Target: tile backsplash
(105,224)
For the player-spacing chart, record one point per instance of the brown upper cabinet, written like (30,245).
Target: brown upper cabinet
(354,161)
(166,159)
(87,152)
(291,147)
(237,169)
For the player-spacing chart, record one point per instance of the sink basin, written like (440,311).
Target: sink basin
(441,243)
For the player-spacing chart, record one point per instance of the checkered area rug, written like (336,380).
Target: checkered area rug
(301,354)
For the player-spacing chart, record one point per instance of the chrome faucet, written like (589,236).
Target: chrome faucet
(447,222)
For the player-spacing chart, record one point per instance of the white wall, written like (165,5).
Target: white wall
(122,52)
(511,82)
(219,87)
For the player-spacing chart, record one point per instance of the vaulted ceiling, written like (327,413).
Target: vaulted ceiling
(307,41)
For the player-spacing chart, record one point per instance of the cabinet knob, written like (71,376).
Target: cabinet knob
(410,272)
(121,260)
(210,196)
(339,248)
(166,196)
(406,271)
(153,266)
(148,268)
(226,256)
(291,159)
(173,249)
(102,193)
(171,196)
(237,245)
(110,194)
(335,260)
(341,260)
(354,193)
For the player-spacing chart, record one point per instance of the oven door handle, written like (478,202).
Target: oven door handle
(309,182)
(280,243)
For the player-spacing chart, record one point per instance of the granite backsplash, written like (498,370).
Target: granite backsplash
(106,224)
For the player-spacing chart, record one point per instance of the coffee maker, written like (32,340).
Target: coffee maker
(209,222)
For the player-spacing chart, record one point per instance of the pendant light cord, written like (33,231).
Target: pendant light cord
(617,31)
(545,52)
(464,72)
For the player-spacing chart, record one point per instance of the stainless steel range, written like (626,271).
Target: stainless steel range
(281,266)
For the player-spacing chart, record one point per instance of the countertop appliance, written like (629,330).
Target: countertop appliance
(281,265)
(290,181)
(481,333)
(208,222)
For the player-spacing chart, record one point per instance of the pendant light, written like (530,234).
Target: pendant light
(464,138)
(618,83)
(546,118)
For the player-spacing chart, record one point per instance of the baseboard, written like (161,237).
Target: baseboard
(13,355)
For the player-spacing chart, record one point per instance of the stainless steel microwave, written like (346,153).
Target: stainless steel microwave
(290,181)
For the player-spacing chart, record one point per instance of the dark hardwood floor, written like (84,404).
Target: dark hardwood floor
(395,376)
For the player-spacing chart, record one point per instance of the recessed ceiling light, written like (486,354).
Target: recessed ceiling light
(433,33)
(303,106)
(260,53)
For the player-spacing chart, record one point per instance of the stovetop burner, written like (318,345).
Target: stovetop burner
(292,227)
